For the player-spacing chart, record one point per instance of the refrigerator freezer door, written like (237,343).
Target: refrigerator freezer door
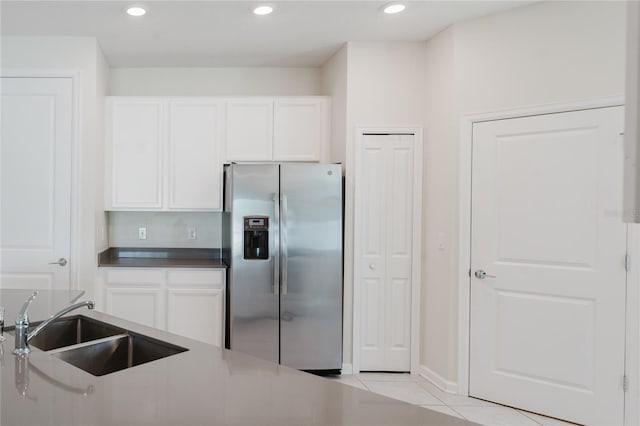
(254,299)
(311,259)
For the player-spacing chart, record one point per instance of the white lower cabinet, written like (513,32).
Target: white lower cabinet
(196,313)
(141,305)
(188,302)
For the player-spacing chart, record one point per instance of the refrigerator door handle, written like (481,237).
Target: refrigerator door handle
(283,236)
(276,243)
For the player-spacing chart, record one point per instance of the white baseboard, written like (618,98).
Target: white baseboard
(439,381)
(347,368)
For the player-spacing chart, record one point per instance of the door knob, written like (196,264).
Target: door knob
(61,262)
(481,275)
(372,266)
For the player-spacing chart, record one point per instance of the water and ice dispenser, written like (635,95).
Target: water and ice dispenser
(256,237)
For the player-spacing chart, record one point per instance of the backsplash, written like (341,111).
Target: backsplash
(165,229)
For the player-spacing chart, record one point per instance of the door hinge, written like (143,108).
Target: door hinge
(627,262)
(625,383)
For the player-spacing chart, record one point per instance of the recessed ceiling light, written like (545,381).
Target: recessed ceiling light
(394,8)
(262,10)
(136,11)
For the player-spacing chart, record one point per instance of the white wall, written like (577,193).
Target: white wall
(215,81)
(438,337)
(548,52)
(385,87)
(334,84)
(101,218)
(80,55)
(165,229)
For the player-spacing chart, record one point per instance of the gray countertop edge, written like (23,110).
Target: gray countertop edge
(204,385)
(143,257)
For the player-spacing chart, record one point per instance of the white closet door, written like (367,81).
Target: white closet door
(384,224)
(35,192)
(548,319)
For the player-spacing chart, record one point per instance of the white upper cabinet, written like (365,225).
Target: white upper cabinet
(166,154)
(277,129)
(299,129)
(135,153)
(163,154)
(195,169)
(249,135)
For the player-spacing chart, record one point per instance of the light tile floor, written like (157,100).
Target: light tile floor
(418,391)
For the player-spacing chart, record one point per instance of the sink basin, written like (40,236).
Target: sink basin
(71,331)
(117,353)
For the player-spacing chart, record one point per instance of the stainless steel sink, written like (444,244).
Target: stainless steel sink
(100,348)
(71,331)
(116,353)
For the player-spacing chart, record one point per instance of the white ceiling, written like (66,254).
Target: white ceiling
(226,33)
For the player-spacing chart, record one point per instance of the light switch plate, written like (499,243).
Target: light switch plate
(142,233)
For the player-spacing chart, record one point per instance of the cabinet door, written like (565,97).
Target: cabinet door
(249,130)
(299,131)
(134,147)
(195,169)
(196,304)
(196,313)
(136,295)
(141,305)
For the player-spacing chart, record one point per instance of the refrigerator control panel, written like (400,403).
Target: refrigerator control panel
(256,237)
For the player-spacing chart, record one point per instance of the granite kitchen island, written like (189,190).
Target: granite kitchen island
(203,385)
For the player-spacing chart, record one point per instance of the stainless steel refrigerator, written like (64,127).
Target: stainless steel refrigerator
(282,240)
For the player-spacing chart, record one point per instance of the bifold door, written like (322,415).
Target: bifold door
(384,237)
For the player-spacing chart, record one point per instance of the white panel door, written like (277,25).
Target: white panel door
(196,313)
(298,129)
(35,191)
(548,320)
(249,130)
(135,143)
(384,224)
(195,169)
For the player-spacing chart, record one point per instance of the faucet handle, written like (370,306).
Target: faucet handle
(23,315)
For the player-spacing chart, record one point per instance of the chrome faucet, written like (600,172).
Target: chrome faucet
(23,337)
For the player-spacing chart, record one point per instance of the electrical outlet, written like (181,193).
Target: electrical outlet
(191,234)
(142,233)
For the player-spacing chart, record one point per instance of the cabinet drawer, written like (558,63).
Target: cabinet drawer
(135,276)
(205,278)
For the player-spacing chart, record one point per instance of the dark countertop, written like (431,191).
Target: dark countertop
(205,385)
(160,258)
